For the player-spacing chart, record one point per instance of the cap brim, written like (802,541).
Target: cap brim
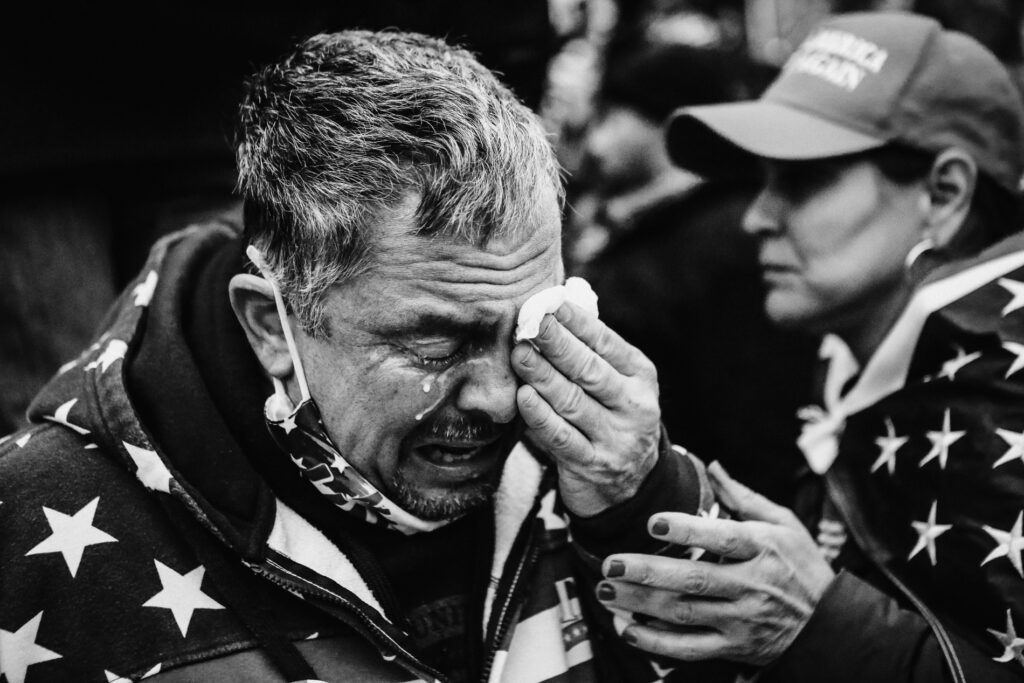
(724,140)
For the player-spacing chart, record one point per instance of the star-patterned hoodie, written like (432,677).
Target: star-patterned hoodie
(140,538)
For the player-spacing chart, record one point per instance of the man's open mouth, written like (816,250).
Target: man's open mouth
(450,454)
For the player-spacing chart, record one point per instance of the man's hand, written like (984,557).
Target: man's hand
(749,610)
(591,401)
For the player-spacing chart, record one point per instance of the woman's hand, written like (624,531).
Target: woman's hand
(748,609)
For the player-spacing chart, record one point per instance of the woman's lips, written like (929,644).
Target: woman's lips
(770,271)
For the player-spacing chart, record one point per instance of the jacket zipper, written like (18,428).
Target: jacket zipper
(505,615)
(366,626)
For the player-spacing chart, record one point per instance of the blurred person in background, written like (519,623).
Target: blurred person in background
(677,276)
(889,223)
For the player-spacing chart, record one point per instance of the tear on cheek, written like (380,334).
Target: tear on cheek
(432,392)
(429,409)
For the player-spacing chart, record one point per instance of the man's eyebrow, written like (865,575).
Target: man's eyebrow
(428,322)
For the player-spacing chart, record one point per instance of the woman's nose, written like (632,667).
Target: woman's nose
(763,215)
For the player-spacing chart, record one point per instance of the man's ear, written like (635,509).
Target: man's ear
(950,187)
(252,299)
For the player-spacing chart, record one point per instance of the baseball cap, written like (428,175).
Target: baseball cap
(858,82)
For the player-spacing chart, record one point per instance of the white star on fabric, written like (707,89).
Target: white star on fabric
(143,291)
(661,671)
(115,351)
(181,594)
(288,424)
(941,441)
(547,513)
(927,532)
(712,512)
(72,534)
(114,678)
(60,416)
(890,443)
(1017,290)
(954,365)
(337,464)
(1015,441)
(151,469)
(1010,641)
(1010,544)
(1018,362)
(18,650)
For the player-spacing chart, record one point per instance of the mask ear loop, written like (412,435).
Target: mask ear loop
(257,259)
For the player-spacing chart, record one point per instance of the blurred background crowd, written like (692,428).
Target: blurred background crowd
(117,129)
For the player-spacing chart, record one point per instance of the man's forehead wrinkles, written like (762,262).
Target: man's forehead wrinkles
(498,257)
(438,253)
(441,273)
(460,265)
(481,292)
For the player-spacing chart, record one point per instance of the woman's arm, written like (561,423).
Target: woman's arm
(774,603)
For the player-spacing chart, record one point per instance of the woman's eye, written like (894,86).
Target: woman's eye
(798,180)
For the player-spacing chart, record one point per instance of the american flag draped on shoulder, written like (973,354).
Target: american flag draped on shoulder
(923,448)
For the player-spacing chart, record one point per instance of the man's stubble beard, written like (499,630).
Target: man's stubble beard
(445,506)
(452,504)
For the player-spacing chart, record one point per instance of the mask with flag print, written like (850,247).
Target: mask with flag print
(299,431)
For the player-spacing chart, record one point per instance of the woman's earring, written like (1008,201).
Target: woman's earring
(916,251)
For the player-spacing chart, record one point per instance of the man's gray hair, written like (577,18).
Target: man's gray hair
(349,124)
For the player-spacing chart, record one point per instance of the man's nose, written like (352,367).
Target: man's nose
(490,388)
(763,215)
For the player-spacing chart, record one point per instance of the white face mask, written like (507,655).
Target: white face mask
(300,432)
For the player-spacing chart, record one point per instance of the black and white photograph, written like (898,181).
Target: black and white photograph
(513,341)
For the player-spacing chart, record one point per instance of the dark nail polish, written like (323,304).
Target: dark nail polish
(605,591)
(659,528)
(616,568)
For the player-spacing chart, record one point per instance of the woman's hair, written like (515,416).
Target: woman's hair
(995,211)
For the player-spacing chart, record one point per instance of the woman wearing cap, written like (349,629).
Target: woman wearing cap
(892,153)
